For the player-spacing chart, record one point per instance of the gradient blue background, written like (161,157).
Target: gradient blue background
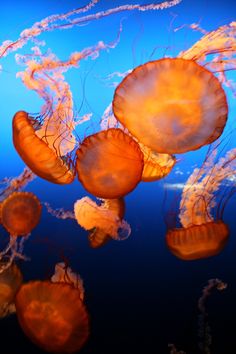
(139,296)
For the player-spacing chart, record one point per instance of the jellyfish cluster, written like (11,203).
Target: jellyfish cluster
(161,108)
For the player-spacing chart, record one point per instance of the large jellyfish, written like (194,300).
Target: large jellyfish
(104,222)
(171,97)
(109,164)
(53,316)
(203,233)
(36,154)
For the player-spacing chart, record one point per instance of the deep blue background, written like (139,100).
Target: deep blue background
(139,296)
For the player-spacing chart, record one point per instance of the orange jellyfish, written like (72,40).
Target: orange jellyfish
(10,281)
(171,105)
(20,213)
(203,233)
(198,241)
(105,222)
(53,316)
(37,155)
(109,164)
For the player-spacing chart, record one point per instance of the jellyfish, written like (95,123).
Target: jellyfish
(53,316)
(104,222)
(20,213)
(203,232)
(171,97)
(109,164)
(36,154)
(10,281)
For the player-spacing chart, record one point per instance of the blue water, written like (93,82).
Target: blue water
(139,296)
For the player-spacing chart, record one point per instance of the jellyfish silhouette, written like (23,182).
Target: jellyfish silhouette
(10,281)
(105,221)
(53,316)
(37,155)
(20,213)
(204,233)
(171,97)
(109,164)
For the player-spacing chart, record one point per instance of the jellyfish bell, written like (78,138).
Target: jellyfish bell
(53,316)
(171,105)
(20,213)
(10,281)
(198,241)
(156,166)
(109,164)
(37,155)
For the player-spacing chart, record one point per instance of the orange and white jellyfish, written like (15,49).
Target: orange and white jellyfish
(20,213)
(203,233)
(171,97)
(109,164)
(10,281)
(53,316)
(104,221)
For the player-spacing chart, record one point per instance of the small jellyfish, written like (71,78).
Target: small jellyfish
(171,105)
(20,213)
(104,222)
(53,316)
(37,155)
(203,232)
(109,164)
(198,241)
(10,281)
